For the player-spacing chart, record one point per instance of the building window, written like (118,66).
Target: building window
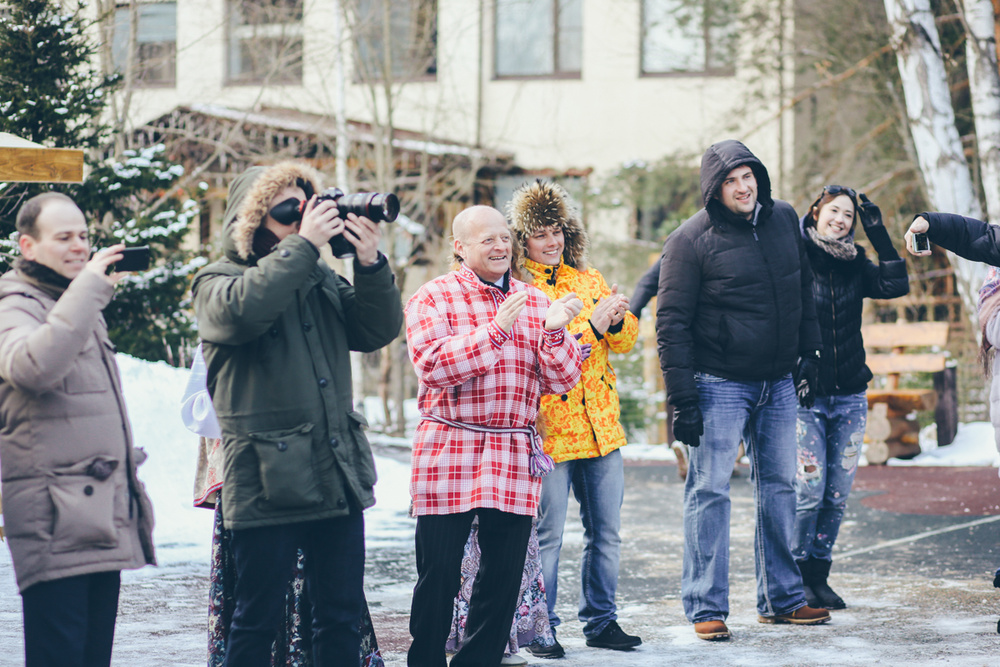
(689,36)
(265,41)
(156,43)
(409,26)
(539,37)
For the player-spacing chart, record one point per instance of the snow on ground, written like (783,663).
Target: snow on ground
(162,618)
(974,445)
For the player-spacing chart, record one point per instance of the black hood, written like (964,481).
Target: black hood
(717,162)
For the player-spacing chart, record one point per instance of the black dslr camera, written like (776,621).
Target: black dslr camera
(375,206)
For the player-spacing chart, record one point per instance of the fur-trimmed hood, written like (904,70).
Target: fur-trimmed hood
(249,196)
(541,204)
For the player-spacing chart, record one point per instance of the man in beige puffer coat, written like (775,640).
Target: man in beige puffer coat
(74,511)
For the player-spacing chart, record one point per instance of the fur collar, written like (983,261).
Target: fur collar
(250,196)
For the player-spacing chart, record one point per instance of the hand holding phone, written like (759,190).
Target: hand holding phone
(920,242)
(133,259)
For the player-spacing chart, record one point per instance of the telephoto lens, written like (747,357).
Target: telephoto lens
(375,206)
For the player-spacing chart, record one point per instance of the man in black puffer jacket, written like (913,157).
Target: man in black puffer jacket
(734,319)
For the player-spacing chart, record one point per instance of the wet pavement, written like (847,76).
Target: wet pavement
(915,562)
(918,584)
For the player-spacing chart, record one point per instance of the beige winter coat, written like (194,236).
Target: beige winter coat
(61,415)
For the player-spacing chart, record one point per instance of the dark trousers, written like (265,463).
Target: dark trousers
(334,567)
(440,544)
(70,622)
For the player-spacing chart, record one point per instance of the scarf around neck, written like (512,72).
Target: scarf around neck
(264,241)
(842,248)
(42,277)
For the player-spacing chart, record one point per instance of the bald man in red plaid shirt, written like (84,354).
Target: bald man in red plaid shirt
(485,347)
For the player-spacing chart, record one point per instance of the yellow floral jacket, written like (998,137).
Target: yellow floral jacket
(583,423)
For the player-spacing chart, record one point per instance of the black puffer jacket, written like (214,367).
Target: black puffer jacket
(734,299)
(839,289)
(967,237)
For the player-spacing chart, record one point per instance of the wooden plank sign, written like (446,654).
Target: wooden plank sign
(41,165)
(885,364)
(909,334)
(903,400)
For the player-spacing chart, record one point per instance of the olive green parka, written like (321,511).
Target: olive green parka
(277,331)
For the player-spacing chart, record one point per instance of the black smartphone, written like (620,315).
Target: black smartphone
(920,242)
(133,259)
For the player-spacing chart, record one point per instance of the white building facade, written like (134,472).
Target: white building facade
(569,87)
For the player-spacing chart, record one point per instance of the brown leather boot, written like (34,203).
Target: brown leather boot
(801,616)
(712,631)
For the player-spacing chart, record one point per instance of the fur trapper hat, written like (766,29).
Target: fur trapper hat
(541,204)
(250,197)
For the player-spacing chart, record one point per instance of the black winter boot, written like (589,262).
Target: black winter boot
(805,567)
(827,597)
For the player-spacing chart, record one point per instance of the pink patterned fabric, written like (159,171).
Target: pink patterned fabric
(208,476)
(471,371)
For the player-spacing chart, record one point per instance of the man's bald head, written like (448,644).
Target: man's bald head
(483,241)
(468,218)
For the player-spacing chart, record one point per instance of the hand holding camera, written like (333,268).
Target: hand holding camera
(320,221)
(103,259)
(333,210)
(367,235)
(916,237)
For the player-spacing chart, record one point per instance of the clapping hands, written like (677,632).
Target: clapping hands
(609,311)
(562,311)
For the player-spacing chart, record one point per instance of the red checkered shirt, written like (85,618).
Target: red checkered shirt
(471,371)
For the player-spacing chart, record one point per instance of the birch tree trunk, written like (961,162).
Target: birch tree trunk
(984,85)
(932,125)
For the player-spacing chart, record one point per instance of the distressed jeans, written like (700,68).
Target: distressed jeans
(829,441)
(599,487)
(763,415)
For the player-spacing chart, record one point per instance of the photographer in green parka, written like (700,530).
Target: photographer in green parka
(277,324)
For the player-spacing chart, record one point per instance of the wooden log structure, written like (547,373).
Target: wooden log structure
(889,432)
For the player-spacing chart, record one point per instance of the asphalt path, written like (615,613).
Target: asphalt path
(918,582)
(915,563)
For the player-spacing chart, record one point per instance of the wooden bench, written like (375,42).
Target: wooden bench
(889,433)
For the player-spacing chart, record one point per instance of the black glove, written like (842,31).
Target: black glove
(688,423)
(806,379)
(871,220)
(996,579)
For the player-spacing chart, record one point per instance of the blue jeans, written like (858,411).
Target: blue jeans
(599,487)
(763,415)
(829,437)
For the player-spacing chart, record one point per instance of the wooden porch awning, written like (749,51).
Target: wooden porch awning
(25,161)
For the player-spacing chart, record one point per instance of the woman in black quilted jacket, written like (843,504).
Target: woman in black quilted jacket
(830,434)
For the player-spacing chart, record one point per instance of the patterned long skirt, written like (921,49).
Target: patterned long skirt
(292,647)
(531,618)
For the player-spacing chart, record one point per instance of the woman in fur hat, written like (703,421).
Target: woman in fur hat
(583,432)
(830,433)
